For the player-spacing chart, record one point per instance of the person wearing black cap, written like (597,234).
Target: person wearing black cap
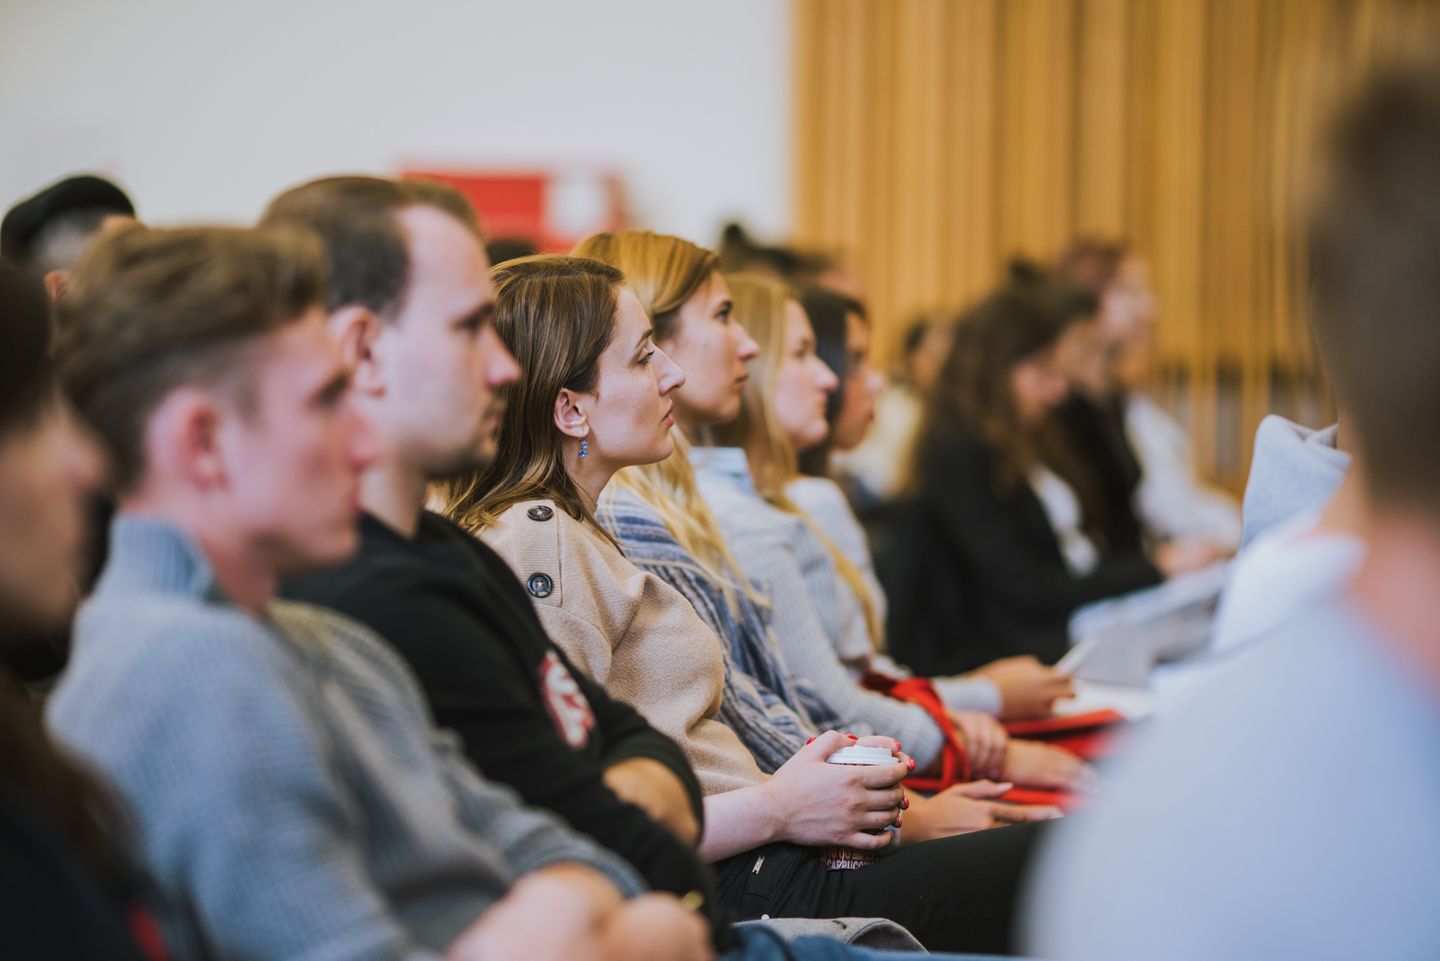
(68,892)
(47,233)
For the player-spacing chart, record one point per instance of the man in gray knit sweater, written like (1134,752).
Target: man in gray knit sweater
(290,796)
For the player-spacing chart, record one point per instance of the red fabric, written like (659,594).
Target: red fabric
(147,933)
(954,760)
(1089,735)
(1063,800)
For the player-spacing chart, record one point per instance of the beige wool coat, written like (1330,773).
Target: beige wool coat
(629,630)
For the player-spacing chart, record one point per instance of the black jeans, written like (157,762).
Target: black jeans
(954,894)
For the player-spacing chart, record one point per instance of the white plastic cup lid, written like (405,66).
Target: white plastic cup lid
(859,754)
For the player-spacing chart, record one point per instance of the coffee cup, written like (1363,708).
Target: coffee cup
(839,858)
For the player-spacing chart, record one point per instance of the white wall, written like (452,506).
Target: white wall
(204,110)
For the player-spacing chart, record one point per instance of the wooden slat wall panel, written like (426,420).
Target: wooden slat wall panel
(936,139)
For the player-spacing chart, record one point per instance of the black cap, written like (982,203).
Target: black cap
(25,368)
(24,221)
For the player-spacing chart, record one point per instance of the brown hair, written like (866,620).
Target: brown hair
(1012,325)
(1093,263)
(356,217)
(1374,232)
(148,311)
(557,316)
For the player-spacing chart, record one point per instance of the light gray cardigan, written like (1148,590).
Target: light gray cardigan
(291,798)
(784,558)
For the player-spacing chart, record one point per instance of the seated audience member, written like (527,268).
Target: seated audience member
(410,302)
(1294,470)
(289,794)
(70,894)
(783,409)
(876,466)
(48,232)
(995,560)
(738,251)
(1086,441)
(594,397)
(1170,866)
(1020,686)
(665,528)
(1017,687)
(731,538)
(1172,501)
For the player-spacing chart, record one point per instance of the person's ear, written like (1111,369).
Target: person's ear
(570,417)
(356,329)
(182,440)
(55,283)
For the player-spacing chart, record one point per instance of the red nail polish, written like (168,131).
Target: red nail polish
(904,804)
(898,746)
(898,819)
(910,762)
(851,736)
(811,741)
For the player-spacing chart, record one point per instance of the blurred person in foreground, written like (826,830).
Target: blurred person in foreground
(1170,866)
(69,890)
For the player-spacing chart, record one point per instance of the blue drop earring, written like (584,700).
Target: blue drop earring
(584,447)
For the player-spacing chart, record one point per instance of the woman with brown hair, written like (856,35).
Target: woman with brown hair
(594,398)
(995,560)
(70,891)
(771,555)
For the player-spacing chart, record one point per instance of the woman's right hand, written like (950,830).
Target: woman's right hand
(1028,689)
(821,804)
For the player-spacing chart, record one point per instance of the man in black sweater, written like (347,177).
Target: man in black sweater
(410,303)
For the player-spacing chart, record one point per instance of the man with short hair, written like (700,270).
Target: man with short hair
(49,231)
(409,301)
(1327,727)
(290,795)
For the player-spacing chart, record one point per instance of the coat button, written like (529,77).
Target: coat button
(539,585)
(540,513)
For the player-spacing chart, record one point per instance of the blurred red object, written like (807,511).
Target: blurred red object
(553,210)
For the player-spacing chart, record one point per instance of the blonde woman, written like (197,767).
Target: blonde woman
(691,307)
(596,396)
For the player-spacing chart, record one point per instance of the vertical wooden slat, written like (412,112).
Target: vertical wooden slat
(936,138)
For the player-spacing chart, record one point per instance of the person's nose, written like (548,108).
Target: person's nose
(746,349)
(671,376)
(825,378)
(502,368)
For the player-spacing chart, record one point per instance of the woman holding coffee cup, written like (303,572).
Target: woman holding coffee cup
(594,398)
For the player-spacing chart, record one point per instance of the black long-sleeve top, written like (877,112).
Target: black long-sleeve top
(979,574)
(460,618)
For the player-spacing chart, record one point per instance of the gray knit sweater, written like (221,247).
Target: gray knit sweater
(290,796)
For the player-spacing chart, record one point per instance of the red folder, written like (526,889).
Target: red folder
(1065,724)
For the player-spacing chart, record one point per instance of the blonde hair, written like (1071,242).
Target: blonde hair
(760,307)
(664,272)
